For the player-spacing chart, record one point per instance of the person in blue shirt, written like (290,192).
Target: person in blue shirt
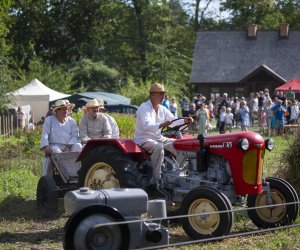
(278,111)
(166,102)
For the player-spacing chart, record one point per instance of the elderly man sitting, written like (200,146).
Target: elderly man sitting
(60,132)
(93,124)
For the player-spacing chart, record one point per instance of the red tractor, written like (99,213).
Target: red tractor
(209,174)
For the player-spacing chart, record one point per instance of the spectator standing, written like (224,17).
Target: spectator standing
(211,109)
(261,101)
(184,104)
(234,109)
(222,117)
(294,112)
(20,118)
(202,119)
(228,119)
(290,95)
(93,124)
(173,106)
(166,102)
(193,114)
(269,113)
(279,111)
(244,114)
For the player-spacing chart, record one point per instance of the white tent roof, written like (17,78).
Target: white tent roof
(37,95)
(36,88)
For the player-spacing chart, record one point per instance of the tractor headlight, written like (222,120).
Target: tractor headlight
(243,144)
(269,144)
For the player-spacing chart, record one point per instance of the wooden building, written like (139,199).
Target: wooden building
(240,62)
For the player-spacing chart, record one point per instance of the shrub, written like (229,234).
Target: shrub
(290,163)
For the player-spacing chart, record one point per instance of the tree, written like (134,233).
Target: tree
(95,76)
(264,13)
(6,82)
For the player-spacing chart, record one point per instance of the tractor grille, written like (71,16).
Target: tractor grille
(252,168)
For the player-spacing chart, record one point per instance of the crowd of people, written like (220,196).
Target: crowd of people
(270,112)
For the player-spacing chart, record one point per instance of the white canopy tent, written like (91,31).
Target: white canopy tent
(38,96)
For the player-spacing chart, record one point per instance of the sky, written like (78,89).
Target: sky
(213,8)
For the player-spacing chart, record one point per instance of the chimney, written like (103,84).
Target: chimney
(252,29)
(284,31)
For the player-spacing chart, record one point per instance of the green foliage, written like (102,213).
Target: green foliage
(137,93)
(17,181)
(126,124)
(54,76)
(290,165)
(95,76)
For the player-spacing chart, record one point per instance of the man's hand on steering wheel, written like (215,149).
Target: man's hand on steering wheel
(188,120)
(164,124)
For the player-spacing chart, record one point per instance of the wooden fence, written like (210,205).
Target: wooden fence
(6,125)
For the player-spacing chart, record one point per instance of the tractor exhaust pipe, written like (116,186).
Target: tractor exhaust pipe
(201,155)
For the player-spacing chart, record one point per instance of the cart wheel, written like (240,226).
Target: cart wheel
(206,200)
(279,215)
(47,197)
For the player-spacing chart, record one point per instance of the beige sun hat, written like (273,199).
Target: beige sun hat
(62,103)
(92,103)
(157,88)
(101,104)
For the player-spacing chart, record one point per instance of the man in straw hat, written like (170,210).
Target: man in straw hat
(60,132)
(93,124)
(151,116)
(115,132)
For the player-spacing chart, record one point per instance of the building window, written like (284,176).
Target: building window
(214,94)
(239,92)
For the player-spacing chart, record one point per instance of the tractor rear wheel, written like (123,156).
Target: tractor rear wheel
(274,216)
(210,223)
(107,167)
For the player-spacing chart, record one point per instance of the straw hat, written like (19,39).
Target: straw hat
(61,104)
(92,104)
(157,88)
(101,104)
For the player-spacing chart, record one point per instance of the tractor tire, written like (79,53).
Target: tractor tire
(296,197)
(206,200)
(271,217)
(47,197)
(107,167)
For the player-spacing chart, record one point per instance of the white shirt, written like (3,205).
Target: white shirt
(147,122)
(228,118)
(115,132)
(55,132)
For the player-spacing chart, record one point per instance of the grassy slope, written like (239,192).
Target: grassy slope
(22,227)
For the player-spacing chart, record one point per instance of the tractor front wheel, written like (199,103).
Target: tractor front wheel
(279,213)
(203,207)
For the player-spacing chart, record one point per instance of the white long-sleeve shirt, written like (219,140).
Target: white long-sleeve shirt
(55,132)
(147,122)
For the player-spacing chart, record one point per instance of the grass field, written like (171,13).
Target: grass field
(22,228)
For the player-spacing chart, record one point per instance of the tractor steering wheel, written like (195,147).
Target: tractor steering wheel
(173,131)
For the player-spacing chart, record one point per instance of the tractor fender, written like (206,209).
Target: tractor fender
(126,145)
